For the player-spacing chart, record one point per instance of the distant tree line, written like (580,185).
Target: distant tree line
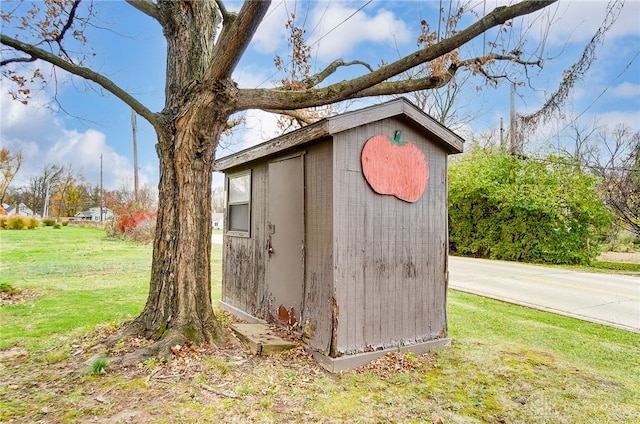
(613,155)
(61,191)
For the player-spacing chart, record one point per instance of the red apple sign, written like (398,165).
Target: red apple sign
(395,167)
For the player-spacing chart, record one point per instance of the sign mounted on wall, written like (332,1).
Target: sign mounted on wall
(395,167)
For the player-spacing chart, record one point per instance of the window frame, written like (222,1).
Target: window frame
(228,203)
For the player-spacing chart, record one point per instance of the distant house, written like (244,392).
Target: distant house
(217,221)
(20,210)
(93,214)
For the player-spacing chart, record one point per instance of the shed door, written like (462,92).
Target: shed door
(285,263)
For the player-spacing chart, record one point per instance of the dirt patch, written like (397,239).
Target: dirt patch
(17,297)
(633,257)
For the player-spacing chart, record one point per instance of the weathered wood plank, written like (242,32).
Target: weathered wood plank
(317,318)
(388,254)
(261,338)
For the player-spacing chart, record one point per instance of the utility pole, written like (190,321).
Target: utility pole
(101,191)
(45,211)
(135,155)
(512,117)
(502,147)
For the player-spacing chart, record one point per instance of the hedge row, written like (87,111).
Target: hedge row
(512,208)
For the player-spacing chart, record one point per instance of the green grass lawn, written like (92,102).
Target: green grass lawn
(507,364)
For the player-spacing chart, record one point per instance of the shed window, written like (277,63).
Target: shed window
(239,203)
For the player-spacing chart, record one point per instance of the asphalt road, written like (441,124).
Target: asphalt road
(607,299)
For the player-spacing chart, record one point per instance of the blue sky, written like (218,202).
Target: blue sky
(129,48)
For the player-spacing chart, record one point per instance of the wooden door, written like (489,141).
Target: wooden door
(285,245)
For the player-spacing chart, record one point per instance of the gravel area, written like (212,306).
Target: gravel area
(633,258)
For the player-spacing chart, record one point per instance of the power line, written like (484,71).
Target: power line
(343,21)
(626,68)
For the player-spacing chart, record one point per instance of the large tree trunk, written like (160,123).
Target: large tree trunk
(179,307)
(198,104)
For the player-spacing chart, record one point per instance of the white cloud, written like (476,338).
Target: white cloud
(626,90)
(44,139)
(630,118)
(260,127)
(333,29)
(252,76)
(271,33)
(578,21)
(336,30)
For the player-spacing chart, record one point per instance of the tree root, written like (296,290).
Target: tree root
(161,348)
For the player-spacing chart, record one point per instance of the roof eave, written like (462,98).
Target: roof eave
(332,125)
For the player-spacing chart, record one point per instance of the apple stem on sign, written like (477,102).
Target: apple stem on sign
(396,138)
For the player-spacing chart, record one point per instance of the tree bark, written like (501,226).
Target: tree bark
(179,307)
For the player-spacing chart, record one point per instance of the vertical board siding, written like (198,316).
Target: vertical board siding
(256,283)
(317,317)
(389,254)
(244,269)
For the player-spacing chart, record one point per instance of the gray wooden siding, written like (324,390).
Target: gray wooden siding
(319,247)
(389,255)
(244,262)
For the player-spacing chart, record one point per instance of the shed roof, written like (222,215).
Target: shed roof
(452,142)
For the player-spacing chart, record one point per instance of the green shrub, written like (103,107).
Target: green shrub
(65,223)
(505,207)
(16,223)
(3,222)
(8,289)
(33,223)
(57,226)
(48,222)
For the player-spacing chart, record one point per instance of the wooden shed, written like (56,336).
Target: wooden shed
(311,243)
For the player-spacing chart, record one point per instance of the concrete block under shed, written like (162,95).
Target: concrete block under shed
(261,338)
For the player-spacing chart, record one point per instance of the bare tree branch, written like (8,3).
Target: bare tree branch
(576,72)
(235,39)
(316,79)
(296,115)
(83,72)
(67,25)
(18,59)
(278,99)
(65,28)
(147,7)
(227,17)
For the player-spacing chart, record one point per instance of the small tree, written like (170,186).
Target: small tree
(69,194)
(9,166)
(617,162)
(513,208)
(43,186)
(613,155)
